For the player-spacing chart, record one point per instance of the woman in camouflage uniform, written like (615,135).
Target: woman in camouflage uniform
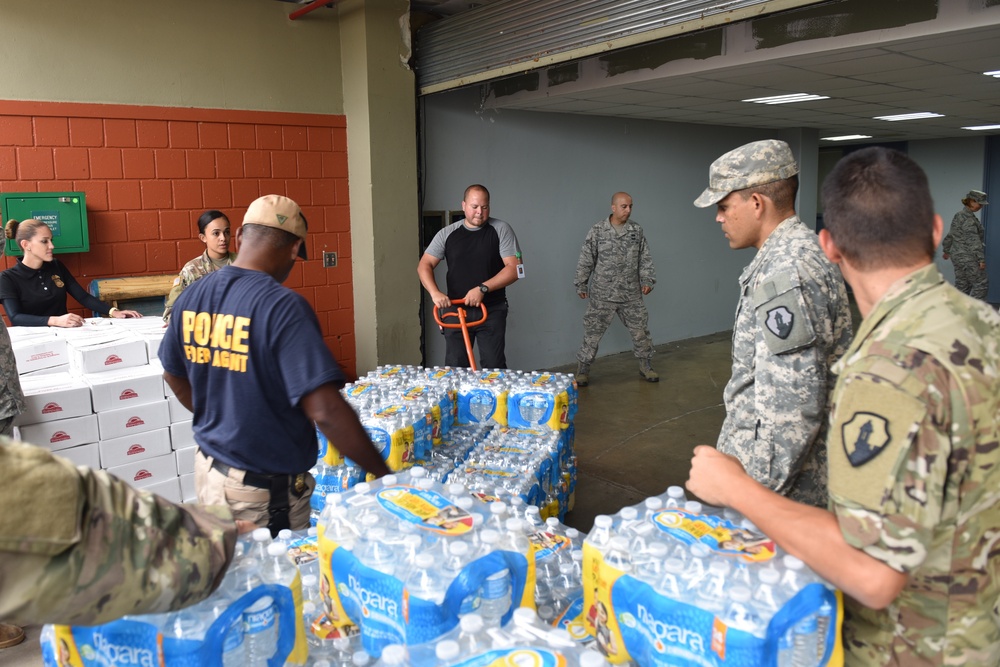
(964,246)
(213,230)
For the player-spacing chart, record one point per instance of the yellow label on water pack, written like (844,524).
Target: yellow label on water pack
(598,617)
(331,622)
(65,647)
(300,651)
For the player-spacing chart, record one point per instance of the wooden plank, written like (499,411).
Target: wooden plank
(134,287)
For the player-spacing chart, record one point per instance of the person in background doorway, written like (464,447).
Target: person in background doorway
(911,532)
(792,323)
(965,246)
(246,355)
(615,271)
(34,290)
(483,259)
(214,232)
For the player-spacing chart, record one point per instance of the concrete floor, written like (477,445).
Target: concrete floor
(633,438)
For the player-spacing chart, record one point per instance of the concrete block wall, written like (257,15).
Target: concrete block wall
(149,172)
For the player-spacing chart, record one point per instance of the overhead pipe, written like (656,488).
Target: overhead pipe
(315,4)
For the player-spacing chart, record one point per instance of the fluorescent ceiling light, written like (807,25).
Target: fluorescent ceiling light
(911,116)
(847,137)
(982,127)
(995,73)
(786,99)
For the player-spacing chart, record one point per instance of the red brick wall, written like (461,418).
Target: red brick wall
(149,172)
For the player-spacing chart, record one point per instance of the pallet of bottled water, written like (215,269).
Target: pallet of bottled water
(403,557)
(525,640)
(254,619)
(672,582)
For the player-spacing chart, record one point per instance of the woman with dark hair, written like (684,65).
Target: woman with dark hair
(214,232)
(34,290)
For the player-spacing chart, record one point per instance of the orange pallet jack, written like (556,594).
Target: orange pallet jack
(463,324)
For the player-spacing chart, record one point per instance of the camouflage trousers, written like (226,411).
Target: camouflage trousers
(969,278)
(598,318)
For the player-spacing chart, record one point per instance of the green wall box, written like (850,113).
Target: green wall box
(64,212)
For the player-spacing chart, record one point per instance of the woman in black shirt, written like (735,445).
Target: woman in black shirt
(34,290)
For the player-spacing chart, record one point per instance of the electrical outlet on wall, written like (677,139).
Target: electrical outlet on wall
(329,260)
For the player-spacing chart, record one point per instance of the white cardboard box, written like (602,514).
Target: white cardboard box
(82,455)
(153,340)
(60,434)
(61,368)
(51,397)
(182,435)
(134,447)
(188,492)
(185,460)
(178,413)
(115,349)
(141,474)
(134,419)
(125,387)
(35,353)
(168,488)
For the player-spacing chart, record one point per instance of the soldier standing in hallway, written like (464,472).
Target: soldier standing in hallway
(965,246)
(615,271)
(792,323)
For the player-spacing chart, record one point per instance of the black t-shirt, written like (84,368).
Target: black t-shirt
(473,257)
(31,296)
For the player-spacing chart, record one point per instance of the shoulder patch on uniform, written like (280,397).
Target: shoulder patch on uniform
(782,316)
(871,431)
(780,321)
(864,437)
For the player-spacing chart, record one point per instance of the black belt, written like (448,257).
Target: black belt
(278,485)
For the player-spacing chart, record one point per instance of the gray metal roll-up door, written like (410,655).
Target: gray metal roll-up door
(512,36)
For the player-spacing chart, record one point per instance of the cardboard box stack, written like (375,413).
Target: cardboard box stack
(95,395)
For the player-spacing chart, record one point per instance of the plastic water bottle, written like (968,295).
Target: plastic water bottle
(740,613)
(472,636)
(675,497)
(767,597)
(693,507)
(280,570)
(649,563)
(336,524)
(447,651)
(786,650)
(395,654)
(495,594)
(591,658)
(601,534)
(823,619)
(795,577)
(671,584)
(804,640)
(260,632)
(261,538)
(234,652)
(712,590)
(373,551)
(426,581)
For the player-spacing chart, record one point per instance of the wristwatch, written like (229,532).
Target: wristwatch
(483,288)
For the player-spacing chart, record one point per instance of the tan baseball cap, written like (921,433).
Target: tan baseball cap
(278,212)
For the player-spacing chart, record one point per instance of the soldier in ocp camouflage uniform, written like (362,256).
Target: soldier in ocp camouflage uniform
(792,323)
(11,405)
(214,232)
(914,445)
(79,546)
(964,245)
(615,271)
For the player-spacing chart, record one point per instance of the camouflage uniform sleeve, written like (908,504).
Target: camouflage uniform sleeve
(888,458)
(175,292)
(647,274)
(588,259)
(791,378)
(97,549)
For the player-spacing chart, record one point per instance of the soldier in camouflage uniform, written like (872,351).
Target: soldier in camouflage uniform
(964,245)
(214,232)
(615,270)
(79,546)
(11,405)
(792,323)
(914,524)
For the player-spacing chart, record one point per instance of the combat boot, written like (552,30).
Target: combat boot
(646,371)
(582,375)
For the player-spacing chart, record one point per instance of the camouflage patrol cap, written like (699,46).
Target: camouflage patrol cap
(756,163)
(278,212)
(977,196)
